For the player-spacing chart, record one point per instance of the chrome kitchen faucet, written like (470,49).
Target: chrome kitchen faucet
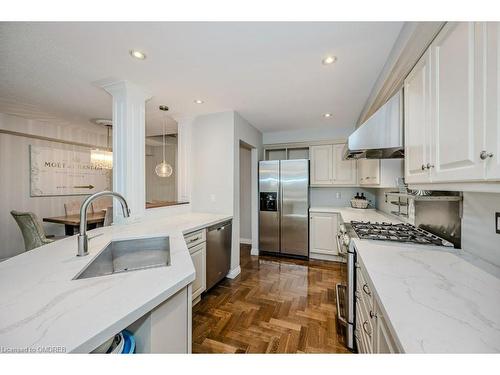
(83,240)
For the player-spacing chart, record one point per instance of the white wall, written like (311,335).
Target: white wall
(212,163)
(215,169)
(307,134)
(248,134)
(15,174)
(245,194)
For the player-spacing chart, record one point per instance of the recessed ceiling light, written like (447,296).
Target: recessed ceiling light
(327,115)
(199,101)
(137,54)
(329,60)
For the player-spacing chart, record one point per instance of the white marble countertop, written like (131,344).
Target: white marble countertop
(40,304)
(434,300)
(357,214)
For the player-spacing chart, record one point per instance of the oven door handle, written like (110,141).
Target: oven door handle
(341,319)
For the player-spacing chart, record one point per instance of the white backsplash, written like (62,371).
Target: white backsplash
(479,238)
(339,196)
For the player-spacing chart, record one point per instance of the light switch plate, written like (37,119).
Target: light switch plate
(497,221)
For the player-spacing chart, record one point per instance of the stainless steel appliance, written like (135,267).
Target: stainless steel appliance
(381,136)
(284,206)
(218,252)
(346,290)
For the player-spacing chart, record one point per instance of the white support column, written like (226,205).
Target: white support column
(129,138)
(185,125)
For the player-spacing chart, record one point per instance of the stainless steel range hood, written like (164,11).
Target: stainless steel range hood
(381,136)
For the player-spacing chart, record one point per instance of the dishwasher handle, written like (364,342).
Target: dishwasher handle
(219,227)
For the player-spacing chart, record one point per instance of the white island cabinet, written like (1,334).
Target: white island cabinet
(43,306)
(196,243)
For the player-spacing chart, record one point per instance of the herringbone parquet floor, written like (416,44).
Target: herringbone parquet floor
(275,305)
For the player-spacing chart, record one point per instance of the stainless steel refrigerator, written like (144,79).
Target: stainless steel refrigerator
(284,207)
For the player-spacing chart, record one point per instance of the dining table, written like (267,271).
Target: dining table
(72,222)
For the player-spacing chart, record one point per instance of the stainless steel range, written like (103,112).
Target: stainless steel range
(401,233)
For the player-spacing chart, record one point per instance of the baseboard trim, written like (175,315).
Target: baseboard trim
(234,272)
(254,251)
(246,241)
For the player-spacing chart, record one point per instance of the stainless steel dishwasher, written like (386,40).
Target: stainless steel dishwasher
(218,252)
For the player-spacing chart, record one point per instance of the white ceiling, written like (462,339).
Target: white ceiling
(271,73)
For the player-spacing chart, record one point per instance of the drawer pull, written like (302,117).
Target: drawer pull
(373,315)
(366,290)
(194,239)
(365,324)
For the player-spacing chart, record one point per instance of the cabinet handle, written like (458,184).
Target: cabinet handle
(485,155)
(366,290)
(365,324)
(429,166)
(423,167)
(373,315)
(194,239)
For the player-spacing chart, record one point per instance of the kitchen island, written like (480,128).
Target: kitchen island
(43,309)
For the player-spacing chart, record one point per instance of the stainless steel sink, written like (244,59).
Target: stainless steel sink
(128,255)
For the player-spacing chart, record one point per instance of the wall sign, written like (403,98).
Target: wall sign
(55,171)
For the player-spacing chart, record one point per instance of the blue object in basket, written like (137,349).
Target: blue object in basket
(129,342)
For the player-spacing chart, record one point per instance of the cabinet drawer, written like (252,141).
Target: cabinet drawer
(195,238)
(363,289)
(364,330)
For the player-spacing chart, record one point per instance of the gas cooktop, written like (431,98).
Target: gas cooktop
(397,232)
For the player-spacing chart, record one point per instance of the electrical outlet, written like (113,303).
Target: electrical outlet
(338,195)
(497,222)
(212,197)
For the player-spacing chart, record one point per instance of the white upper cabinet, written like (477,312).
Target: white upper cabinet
(417,122)
(491,154)
(321,164)
(344,171)
(369,171)
(328,167)
(457,84)
(452,96)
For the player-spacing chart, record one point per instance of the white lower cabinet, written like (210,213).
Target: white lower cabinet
(323,235)
(198,256)
(371,332)
(196,243)
(383,340)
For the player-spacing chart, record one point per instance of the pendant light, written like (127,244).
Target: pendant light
(164,169)
(102,158)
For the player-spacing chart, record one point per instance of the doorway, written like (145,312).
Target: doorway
(245,194)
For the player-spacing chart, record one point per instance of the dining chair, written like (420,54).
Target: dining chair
(108,217)
(72,208)
(31,229)
(101,204)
